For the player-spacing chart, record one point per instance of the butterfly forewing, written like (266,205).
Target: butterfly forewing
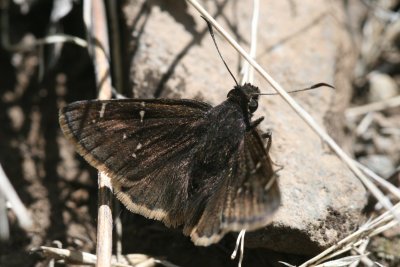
(144,146)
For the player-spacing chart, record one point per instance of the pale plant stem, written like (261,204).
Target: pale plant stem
(361,251)
(248,76)
(4,225)
(239,243)
(369,229)
(390,187)
(375,106)
(116,40)
(18,207)
(23,46)
(384,228)
(96,24)
(84,258)
(247,71)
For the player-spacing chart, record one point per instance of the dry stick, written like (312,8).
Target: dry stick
(384,228)
(347,246)
(104,222)
(239,242)
(300,111)
(364,124)
(18,207)
(345,261)
(389,186)
(248,73)
(101,50)
(248,76)
(376,106)
(118,82)
(51,39)
(84,258)
(4,226)
(98,37)
(361,251)
(382,223)
(22,46)
(117,64)
(118,232)
(116,46)
(336,253)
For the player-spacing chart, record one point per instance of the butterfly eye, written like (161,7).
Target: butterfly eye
(253,105)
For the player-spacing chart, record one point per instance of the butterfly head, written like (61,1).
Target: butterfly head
(246,96)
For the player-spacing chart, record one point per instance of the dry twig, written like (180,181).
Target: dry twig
(96,23)
(368,230)
(248,77)
(18,207)
(376,106)
(83,258)
(23,46)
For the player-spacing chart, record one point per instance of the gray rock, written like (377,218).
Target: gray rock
(322,201)
(381,164)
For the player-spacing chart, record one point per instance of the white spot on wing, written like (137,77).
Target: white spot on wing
(134,155)
(258,166)
(103,109)
(124,136)
(143,104)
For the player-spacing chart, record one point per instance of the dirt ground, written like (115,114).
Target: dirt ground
(60,189)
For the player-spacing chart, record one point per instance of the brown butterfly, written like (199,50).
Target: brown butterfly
(182,162)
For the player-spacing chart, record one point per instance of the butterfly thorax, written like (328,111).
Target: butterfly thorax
(218,146)
(246,96)
(234,119)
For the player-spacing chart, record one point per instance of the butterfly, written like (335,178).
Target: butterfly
(182,162)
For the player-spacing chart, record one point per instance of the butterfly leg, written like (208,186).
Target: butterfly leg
(255,123)
(268,137)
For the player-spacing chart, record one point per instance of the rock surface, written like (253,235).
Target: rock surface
(298,45)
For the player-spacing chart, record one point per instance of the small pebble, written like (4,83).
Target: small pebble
(381,87)
(380,164)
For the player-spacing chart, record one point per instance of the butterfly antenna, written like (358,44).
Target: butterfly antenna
(210,29)
(315,86)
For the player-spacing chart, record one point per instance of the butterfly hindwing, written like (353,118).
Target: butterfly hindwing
(247,198)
